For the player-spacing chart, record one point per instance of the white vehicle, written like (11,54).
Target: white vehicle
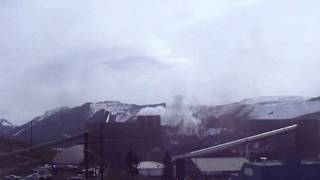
(31,176)
(65,166)
(42,169)
(12,177)
(72,166)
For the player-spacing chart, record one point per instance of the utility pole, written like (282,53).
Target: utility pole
(31,135)
(101,148)
(86,154)
(247,153)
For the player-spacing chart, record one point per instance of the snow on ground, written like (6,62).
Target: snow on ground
(6,123)
(52,112)
(122,111)
(17,133)
(275,107)
(284,109)
(269,99)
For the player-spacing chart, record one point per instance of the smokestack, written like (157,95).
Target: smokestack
(180,169)
(307,135)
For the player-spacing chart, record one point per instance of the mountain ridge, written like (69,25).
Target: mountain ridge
(65,121)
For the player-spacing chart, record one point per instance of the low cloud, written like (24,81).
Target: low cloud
(64,53)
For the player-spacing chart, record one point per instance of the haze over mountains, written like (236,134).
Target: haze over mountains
(76,51)
(200,120)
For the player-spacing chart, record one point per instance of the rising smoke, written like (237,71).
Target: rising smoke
(176,114)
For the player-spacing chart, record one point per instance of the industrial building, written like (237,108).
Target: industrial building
(300,163)
(293,169)
(140,135)
(206,168)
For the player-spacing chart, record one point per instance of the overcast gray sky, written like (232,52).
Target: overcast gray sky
(68,52)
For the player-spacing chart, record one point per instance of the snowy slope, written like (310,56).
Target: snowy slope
(67,121)
(47,114)
(277,107)
(6,127)
(52,112)
(122,111)
(5,123)
(284,109)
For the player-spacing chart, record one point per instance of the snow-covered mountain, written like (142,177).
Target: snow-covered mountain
(65,121)
(6,127)
(121,111)
(212,120)
(5,123)
(272,108)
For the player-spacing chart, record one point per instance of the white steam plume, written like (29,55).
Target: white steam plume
(176,114)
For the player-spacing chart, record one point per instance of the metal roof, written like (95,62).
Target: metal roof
(211,165)
(150,165)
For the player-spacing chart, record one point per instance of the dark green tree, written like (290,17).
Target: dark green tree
(132,162)
(168,167)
